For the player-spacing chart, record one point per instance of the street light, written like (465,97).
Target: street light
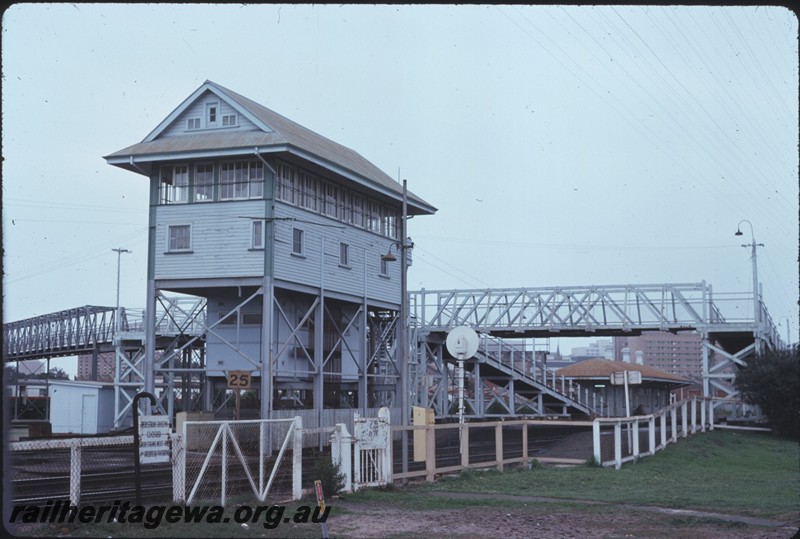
(402,338)
(753,257)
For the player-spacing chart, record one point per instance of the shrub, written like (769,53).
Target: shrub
(330,475)
(772,381)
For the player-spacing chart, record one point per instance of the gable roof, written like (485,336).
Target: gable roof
(276,134)
(603,368)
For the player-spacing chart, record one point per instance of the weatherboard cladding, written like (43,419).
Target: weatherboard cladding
(220,241)
(221,247)
(286,135)
(308,268)
(198,110)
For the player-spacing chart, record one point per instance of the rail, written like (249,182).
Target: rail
(521,360)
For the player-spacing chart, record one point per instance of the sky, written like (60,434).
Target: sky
(562,145)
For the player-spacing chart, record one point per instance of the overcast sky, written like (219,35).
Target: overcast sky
(562,145)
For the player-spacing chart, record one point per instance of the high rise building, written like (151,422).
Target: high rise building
(105,367)
(676,353)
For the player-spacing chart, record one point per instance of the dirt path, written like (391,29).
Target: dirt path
(533,517)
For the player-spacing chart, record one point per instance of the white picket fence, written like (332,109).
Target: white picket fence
(696,415)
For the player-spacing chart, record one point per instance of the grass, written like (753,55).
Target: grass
(725,471)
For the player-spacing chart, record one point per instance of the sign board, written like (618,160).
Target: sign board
(154,439)
(618,378)
(238,379)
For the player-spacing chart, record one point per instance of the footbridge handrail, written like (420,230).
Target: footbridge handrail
(523,363)
(566,308)
(83,329)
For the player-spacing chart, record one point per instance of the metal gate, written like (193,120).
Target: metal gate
(218,455)
(372,451)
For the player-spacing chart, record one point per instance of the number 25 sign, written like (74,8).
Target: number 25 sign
(238,379)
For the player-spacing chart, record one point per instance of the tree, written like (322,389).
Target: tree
(772,381)
(55,373)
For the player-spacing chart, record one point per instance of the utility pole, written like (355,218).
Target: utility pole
(402,334)
(756,303)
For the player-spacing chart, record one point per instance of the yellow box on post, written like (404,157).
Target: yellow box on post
(421,416)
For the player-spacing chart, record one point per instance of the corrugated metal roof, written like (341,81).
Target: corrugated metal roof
(201,141)
(603,368)
(286,133)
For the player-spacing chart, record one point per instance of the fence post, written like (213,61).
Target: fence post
(635,437)
(651,434)
(386,427)
(297,459)
(430,453)
(703,415)
(178,463)
(498,445)
(525,458)
(341,454)
(75,472)
(598,457)
(464,445)
(617,445)
(684,420)
(224,462)
(694,414)
(674,423)
(710,415)
(663,428)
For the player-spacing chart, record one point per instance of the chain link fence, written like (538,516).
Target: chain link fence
(82,470)
(224,460)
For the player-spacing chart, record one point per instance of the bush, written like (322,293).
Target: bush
(330,475)
(772,382)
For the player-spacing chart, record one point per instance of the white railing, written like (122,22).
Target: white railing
(662,428)
(522,360)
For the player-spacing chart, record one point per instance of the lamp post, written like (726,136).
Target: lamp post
(402,335)
(753,257)
(119,252)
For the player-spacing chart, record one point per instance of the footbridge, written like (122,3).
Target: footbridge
(507,318)
(507,375)
(94,330)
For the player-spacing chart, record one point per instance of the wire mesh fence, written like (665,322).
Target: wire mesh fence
(82,470)
(237,458)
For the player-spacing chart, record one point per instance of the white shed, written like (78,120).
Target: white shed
(81,407)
